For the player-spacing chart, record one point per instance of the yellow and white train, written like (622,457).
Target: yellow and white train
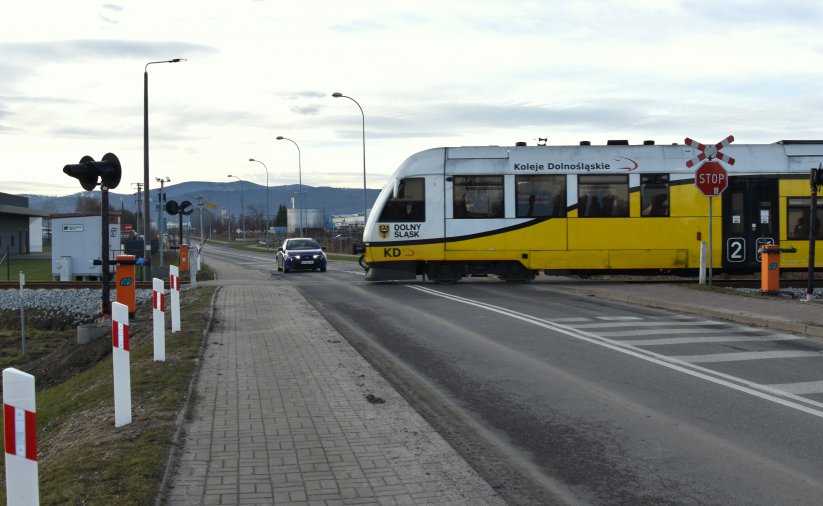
(514,211)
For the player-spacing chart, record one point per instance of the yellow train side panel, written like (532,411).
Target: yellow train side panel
(412,252)
(549,234)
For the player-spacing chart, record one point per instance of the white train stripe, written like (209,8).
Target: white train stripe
(746,355)
(707,339)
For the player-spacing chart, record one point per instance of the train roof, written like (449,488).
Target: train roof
(785,156)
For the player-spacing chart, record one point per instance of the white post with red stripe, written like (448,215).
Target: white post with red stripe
(158,302)
(121,363)
(174,288)
(194,264)
(20,424)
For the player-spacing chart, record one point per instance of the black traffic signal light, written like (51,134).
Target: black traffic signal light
(817,176)
(185,207)
(88,171)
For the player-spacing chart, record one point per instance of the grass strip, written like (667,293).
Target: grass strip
(83,458)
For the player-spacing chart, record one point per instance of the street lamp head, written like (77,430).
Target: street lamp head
(337,94)
(177,60)
(229,175)
(162,180)
(280,137)
(252,160)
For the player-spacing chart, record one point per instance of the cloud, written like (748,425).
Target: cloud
(88,49)
(108,13)
(359,26)
(307,110)
(307,94)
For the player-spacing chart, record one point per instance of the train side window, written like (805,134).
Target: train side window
(603,196)
(478,197)
(410,203)
(797,220)
(540,196)
(654,195)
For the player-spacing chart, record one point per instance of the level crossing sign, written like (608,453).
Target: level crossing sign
(711,179)
(710,151)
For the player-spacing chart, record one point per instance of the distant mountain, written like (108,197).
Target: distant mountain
(232,195)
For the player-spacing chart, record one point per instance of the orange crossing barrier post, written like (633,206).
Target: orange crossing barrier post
(770,267)
(125,281)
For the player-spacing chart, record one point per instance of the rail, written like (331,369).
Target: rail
(67,285)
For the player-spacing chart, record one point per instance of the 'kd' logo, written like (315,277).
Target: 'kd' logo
(384,231)
(125,282)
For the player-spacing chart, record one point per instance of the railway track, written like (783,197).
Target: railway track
(721,282)
(67,285)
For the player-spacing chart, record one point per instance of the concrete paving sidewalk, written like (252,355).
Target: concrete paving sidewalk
(282,417)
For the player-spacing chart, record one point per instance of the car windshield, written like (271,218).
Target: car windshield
(302,244)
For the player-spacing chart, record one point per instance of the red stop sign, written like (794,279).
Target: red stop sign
(711,179)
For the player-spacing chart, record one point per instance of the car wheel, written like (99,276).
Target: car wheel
(286,270)
(322,269)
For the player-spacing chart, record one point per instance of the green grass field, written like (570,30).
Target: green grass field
(35,269)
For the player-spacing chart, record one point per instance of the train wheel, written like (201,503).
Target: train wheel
(443,273)
(516,273)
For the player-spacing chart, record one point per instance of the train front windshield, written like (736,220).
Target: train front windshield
(409,205)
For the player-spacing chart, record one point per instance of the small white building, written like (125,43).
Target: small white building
(77,240)
(311,219)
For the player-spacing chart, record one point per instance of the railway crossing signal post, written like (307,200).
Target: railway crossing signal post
(108,172)
(710,178)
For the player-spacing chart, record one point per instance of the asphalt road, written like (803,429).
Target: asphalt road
(598,402)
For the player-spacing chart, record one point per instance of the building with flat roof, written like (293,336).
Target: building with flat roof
(21,227)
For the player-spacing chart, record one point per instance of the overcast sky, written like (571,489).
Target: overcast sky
(427,73)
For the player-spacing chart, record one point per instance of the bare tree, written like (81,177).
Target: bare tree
(87,204)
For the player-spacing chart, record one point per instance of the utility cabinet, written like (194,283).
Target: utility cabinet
(77,240)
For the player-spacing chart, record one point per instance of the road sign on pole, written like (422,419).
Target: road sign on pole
(711,179)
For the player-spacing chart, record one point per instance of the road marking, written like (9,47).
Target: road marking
(707,339)
(670,331)
(571,320)
(648,324)
(786,399)
(619,318)
(801,388)
(746,355)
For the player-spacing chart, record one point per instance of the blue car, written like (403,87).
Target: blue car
(301,253)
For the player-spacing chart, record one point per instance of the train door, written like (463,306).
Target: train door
(750,220)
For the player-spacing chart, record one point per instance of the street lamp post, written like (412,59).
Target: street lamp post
(160,220)
(337,94)
(146,198)
(299,181)
(267,198)
(242,206)
(228,210)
